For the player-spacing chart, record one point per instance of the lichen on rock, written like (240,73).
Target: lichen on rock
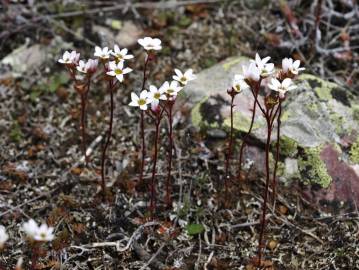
(312,169)
(354,152)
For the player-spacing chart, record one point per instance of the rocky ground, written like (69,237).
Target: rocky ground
(314,224)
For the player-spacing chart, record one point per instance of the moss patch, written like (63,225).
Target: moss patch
(354,152)
(313,169)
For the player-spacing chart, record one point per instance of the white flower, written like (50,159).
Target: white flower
(3,236)
(121,55)
(69,58)
(102,53)
(44,233)
(282,87)
(140,101)
(30,228)
(155,95)
(184,78)
(171,89)
(264,67)
(293,67)
(87,67)
(149,43)
(238,83)
(117,70)
(251,72)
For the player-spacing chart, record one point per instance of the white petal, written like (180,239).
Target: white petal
(144,94)
(134,97)
(286,82)
(127,70)
(178,72)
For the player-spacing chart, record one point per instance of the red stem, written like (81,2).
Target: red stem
(142,130)
(265,195)
(170,154)
(142,124)
(277,153)
(152,187)
(109,134)
(230,146)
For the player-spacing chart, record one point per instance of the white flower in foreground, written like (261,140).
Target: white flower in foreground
(292,66)
(44,233)
(149,43)
(140,101)
(117,70)
(239,84)
(251,72)
(264,67)
(184,78)
(102,53)
(121,55)
(155,95)
(3,236)
(30,228)
(69,58)
(87,67)
(171,89)
(282,87)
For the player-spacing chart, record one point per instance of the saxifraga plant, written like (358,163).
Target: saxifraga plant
(111,69)
(253,75)
(82,86)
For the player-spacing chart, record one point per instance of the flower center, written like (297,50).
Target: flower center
(170,91)
(141,102)
(43,235)
(183,79)
(157,95)
(118,71)
(119,57)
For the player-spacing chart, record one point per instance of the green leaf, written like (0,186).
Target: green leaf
(57,80)
(193,229)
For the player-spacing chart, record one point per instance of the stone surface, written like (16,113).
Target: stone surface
(320,125)
(26,59)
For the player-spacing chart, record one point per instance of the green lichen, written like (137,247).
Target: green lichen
(313,169)
(321,87)
(285,116)
(233,61)
(354,152)
(337,120)
(287,146)
(241,122)
(197,119)
(355,112)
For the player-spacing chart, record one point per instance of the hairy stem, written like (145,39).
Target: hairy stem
(82,126)
(170,154)
(109,134)
(265,195)
(142,124)
(230,146)
(155,155)
(277,153)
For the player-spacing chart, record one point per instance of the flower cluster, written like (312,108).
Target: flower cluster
(42,233)
(259,69)
(167,91)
